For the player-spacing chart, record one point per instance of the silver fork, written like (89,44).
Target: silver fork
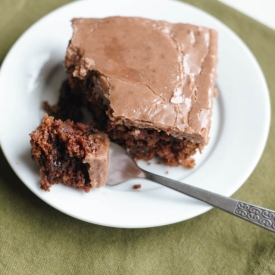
(122,167)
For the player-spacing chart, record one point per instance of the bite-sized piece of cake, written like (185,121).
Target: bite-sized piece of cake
(70,153)
(149,83)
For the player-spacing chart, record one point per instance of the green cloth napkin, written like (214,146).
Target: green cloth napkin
(37,239)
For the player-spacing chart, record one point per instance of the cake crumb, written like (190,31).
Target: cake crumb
(149,163)
(166,172)
(136,186)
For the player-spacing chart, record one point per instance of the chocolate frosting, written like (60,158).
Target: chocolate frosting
(98,160)
(155,74)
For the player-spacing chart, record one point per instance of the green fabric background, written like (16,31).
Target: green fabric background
(37,239)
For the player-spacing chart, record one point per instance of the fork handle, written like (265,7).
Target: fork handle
(258,215)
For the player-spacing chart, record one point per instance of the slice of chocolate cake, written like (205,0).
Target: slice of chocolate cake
(70,153)
(150,84)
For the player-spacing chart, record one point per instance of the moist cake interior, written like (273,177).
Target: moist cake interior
(70,153)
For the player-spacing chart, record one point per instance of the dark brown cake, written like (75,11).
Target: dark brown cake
(70,153)
(69,104)
(149,84)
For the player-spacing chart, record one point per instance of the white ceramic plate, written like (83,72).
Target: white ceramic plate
(32,72)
